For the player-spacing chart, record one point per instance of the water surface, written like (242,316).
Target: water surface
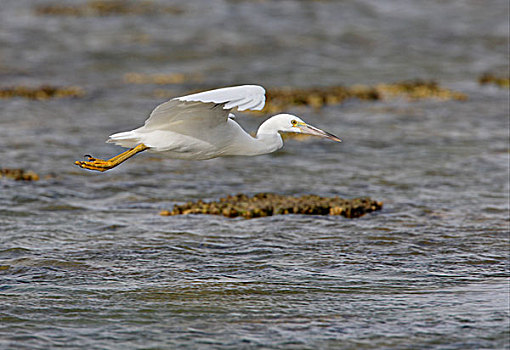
(87,262)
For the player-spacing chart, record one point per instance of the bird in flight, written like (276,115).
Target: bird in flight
(200,126)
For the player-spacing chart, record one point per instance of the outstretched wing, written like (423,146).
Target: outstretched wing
(243,97)
(206,108)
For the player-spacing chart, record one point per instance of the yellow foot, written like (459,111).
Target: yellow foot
(95,164)
(103,165)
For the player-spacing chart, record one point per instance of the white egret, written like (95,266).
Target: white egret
(200,126)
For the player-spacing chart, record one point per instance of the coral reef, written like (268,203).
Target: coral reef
(42,92)
(267,204)
(18,174)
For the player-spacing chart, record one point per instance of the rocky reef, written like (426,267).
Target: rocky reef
(18,174)
(282,98)
(161,79)
(106,8)
(490,78)
(42,92)
(267,204)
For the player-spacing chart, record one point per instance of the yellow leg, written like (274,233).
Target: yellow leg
(103,165)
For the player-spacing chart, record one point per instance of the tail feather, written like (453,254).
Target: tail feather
(127,139)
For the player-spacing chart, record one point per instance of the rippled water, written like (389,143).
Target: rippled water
(87,262)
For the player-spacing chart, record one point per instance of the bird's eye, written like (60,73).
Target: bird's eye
(293,122)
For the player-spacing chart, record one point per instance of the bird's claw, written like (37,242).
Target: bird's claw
(102,165)
(94,164)
(89,157)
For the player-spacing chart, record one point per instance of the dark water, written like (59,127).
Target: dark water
(87,262)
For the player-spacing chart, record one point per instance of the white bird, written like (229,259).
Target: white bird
(200,126)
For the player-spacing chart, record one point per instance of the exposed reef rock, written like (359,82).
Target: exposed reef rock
(106,8)
(42,92)
(281,98)
(489,78)
(161,79)
(18,174)
(267,204)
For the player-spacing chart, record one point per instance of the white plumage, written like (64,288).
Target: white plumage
(243,97)
(200,126)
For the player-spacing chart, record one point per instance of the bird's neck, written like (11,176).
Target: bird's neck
(268,136)
(268,143)
(269,127)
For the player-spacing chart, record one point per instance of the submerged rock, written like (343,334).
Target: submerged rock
(18,174)
(42,92)
(267,204)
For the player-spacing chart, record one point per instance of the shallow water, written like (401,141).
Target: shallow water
(87,262)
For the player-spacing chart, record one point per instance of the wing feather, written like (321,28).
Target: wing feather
(205,109)
(243,97)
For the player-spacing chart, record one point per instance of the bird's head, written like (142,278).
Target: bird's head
(292,123)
